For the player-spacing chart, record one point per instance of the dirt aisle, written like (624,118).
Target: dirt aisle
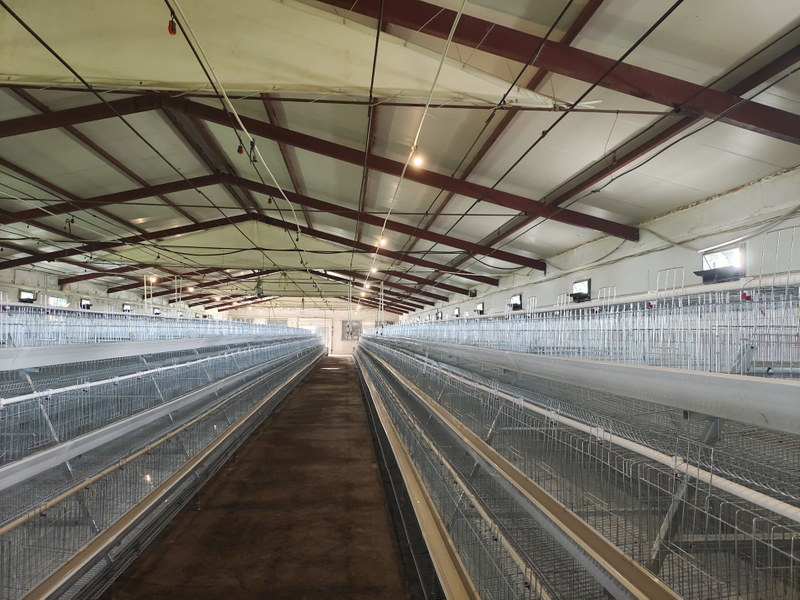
(300,514)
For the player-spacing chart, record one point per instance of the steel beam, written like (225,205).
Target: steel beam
(516,45)
(605,168)
(366,248)
(288,160)
(390,310)
(205,146)
(353,156)
(390,225)
(82,139)
(109,245)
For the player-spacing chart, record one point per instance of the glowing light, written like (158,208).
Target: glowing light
(363,294)
(235,303)
(417,160)
(148,479)
(190,288)
(217,298)
(153,278)
(373,270)
(383,241)
(366,285)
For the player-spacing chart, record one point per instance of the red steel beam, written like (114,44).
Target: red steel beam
(359,277)
(604,169)
(362,199)
(29,99)
(444,286)
(108,245)
(390,310)
(579,64)
(378,163)
(580,22)
(395,168)
(374,303)
(390,225)
(205,146)
(164,284)
(111,199)
(415,302)
(64,193)
(294,175)
(228,280)
(336,239)
(246,184)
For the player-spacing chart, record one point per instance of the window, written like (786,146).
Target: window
(27,297)
(479,308)
(156,311)
(515,302)
(582,290)
(439,316)
(732,257)
(456,312)
(86,304)
(57,301)
(126,308)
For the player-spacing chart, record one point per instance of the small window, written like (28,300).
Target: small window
(156,311)
(180,315)
(439,316)
(732,257)
(126,308)
(86,304)
(57,301)
(582,290)
(515,302)
(27,297)
(456,312)
(479,308)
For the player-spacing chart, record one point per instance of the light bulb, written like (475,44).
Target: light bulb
(373,270)
(148,479)
(235,303)
(418,160)
(366,285)
(190,288)
(153,279)
(383,241)
(217,298)
(363,294)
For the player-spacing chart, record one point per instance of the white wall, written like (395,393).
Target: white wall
(331,321)
(633,267)
(46,284)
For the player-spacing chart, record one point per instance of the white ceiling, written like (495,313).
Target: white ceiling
(698,43)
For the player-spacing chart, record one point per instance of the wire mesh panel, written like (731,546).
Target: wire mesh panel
(753,332)
(700,538)
(26,325)
(49,517)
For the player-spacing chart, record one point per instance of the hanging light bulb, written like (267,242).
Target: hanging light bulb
(382,241)
(363,294)
(417,160)
(153,278)
(190,289)
(373,270)
(217,298)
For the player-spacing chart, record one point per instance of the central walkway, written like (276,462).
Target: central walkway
(301,513)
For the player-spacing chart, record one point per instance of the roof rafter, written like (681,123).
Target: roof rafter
(343,153)
(286,153)
(516,45)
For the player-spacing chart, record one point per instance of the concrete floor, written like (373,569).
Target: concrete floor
(301,513)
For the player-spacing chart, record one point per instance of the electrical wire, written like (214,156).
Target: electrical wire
(230,110)
(413,149)
(89,87)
